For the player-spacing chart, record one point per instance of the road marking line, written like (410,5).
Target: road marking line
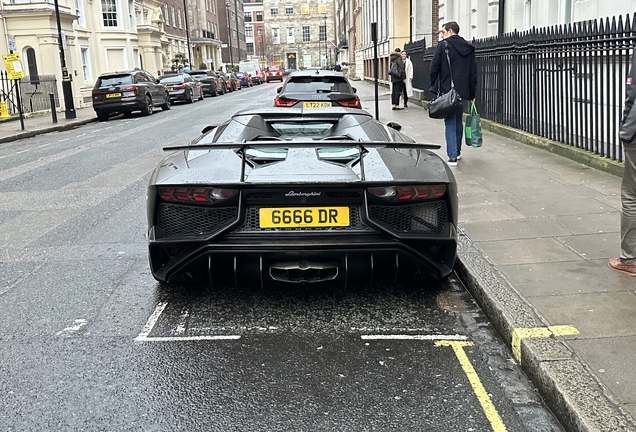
(77,324)
(537,332)
(414,337)
(23,151)
(44,145)
(185,338)
(489,408)
(152,320)
(65,139)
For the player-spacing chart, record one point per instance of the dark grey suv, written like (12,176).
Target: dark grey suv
(126,91)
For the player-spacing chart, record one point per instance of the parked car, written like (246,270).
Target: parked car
(246,79)
(253,68)
(127,91)
(273,74)
(317,89)
(212,84)
(182,87)
(227,79)
(235,81)
(287,195)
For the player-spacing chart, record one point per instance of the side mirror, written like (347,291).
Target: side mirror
(394,125)
(157,81)
(279,89)
(355,90)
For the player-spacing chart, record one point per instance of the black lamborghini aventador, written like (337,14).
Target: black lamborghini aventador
(301,196)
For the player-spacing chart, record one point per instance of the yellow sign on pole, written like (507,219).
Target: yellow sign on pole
(13,65)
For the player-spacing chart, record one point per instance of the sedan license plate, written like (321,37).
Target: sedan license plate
(113,95)
(316,104)
(170,88)
(297,217)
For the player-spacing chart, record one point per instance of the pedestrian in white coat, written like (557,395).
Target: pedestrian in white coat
(408,81)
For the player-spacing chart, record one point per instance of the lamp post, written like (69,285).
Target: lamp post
(229,31)
(66,79)
(185,14)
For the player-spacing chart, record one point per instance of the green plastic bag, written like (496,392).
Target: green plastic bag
(473,127)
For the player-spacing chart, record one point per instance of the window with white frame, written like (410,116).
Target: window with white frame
(166,18)
(249,31)
(110,14)
(249,47)
(322,7)
(290,35)
(174,20)
(277,61)
(131,14)
(276,36)
(79,11)
(322,33)
(304,8)
(306,34)
(259,16)
(179,18)
(306,60)
(565,11)
(273,10)
(248,16)
(86,65)
(289,9)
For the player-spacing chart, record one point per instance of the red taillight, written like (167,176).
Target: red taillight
(179,86)
(266,73)
(96,92)
(204,195)
(349,103)
(409,193)
(131,88)
(284,102)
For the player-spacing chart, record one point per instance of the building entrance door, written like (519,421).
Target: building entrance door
(291,60)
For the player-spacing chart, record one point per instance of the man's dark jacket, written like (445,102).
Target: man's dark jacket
(463,62)
(627,132)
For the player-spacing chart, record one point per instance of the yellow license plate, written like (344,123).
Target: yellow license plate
(170,88)
(113,95)
(316,104)
(297,217)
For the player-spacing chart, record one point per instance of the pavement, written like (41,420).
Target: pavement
(536,231)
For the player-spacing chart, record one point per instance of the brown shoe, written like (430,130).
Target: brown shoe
(618,265)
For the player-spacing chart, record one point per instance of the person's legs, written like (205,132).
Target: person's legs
(450,133)
(628,211)
(395,94)
(406,96)
(626,263)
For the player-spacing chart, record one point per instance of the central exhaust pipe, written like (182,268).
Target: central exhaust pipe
(303,271)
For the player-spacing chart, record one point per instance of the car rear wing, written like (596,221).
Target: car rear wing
(361,145)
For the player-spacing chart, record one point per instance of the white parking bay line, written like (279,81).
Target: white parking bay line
(152,320)
(414,337)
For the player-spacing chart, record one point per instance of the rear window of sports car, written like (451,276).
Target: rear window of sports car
(318,85)
(304,129)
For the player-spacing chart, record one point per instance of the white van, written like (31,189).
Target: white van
(253,68)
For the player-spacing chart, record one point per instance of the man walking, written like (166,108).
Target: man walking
(462,70)
(626,263)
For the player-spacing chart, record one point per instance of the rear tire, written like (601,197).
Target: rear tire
(102,116)
(190,98)
(147,108)
(166,106)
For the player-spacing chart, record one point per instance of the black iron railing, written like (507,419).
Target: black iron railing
(564,83)
(34,93)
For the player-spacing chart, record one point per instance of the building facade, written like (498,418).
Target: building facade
(299,33)
(254,31)
(232,31)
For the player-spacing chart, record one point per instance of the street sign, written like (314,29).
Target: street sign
(63,39)
(13,65)
(11,44)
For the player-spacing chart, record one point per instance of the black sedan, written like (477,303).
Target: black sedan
(317,89)
(212,84)
(182,87)
(300,196)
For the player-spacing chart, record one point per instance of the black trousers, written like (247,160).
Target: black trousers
(398,88)
(405,94)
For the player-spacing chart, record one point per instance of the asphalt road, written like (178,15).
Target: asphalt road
(89,340)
